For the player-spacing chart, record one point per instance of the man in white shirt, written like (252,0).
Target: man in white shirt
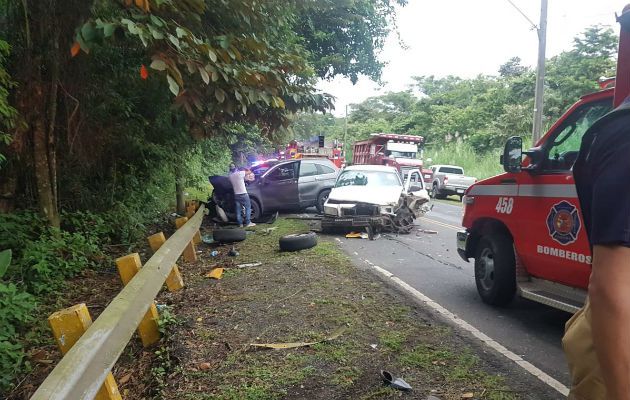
(241,198)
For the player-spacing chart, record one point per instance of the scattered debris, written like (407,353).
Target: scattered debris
(335,335)
(429,231)
(374,346)
(267,231)
(362,235)
(214,253)
(161,307)
(204,366)
(124,379)
(207,239)
(233,252)
(247,265)
(199,319)
(431,397)
(468,395)
(395,383)
(215,273)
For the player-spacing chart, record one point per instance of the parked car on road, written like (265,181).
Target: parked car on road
(449,180)
(375,196)
(278,186)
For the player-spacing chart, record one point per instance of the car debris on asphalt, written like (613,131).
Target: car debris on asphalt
(394,382)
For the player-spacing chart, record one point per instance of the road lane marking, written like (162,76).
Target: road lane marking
(487,340)
(444,224)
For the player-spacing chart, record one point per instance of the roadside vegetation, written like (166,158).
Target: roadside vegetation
(359,325)
(112,110)
(466,121)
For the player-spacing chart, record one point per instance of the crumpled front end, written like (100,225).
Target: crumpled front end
(395,217)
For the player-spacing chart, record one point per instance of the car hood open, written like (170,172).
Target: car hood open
(381,195)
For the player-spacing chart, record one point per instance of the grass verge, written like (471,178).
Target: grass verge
(302,296)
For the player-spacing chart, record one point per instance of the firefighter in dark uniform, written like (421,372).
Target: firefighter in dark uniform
(597,338)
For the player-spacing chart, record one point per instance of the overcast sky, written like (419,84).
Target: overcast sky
(470,37)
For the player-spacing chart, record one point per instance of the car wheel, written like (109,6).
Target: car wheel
(461,198)
(256,210)
(298,241)
(321,199)
(229,235)
(434,191)
(495,271)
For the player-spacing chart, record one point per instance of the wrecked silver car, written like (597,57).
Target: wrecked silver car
(375,197)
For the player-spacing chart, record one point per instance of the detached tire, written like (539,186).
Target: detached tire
(229,235)
(495,270)
(298,241)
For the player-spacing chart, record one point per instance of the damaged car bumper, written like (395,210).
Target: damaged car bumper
(395,217)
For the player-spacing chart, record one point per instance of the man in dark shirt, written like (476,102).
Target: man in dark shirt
(597,338)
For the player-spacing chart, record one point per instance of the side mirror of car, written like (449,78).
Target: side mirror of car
(415,188)
(512,156)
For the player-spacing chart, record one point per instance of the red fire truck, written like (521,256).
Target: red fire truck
(398,151)
(524,227)
(315,148)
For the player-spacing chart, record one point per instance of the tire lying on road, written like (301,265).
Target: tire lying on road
(229,235)
(298,241)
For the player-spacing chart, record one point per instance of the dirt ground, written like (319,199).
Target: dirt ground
(356,325)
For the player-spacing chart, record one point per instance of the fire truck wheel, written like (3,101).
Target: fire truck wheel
(229,235)
(298,241)
(495,271)
(321,199)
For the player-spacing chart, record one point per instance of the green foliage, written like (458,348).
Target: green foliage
(16,308)
(467,121)
(344,38)
(8,114)
(479,165)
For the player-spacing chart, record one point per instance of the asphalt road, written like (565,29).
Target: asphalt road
(430,263)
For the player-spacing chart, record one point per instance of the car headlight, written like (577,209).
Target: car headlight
(331,210)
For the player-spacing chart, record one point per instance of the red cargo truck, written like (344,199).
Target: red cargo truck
(399,151)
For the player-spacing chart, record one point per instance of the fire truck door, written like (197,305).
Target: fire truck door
(551,239)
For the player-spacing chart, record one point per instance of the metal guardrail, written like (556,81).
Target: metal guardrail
(82,371)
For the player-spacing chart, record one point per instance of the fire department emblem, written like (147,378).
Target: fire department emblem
(563,222)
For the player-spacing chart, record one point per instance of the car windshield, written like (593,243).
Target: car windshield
(368,178)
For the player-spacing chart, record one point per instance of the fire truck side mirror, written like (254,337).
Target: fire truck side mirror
(512,157)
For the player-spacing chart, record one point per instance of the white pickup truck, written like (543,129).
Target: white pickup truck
(448,180)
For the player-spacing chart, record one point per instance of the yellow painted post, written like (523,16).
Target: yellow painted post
(197,237)
(179,222)
(189,252)
(174,280)
(68,325)
(128,267)
(190,211)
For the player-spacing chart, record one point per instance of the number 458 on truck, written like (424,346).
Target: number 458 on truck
(524,227)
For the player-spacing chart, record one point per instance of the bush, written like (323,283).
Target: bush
(16,308)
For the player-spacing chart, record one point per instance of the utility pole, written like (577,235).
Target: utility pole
(541,30)
(540,73)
